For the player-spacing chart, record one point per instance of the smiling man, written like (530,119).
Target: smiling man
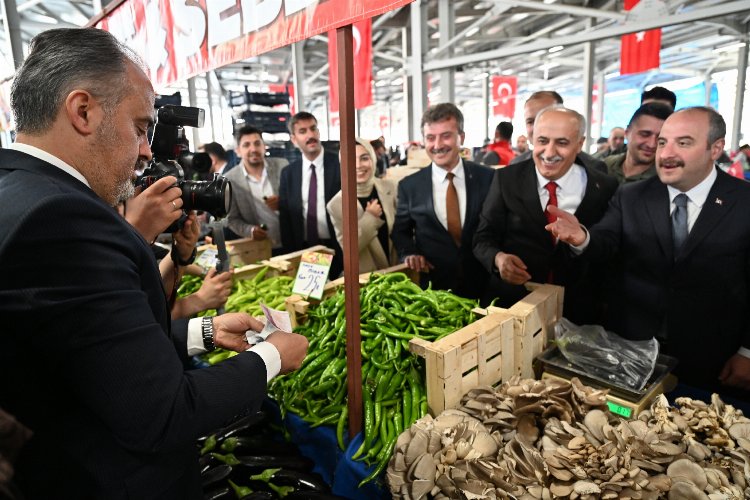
(682,241)
(438,208)
(511,242)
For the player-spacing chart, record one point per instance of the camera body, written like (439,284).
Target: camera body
(172,155)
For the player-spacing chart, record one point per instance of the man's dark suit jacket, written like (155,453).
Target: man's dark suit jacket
(291,211)
(584,159)
(513,221)
(417,230)
(88,361)
(701,296)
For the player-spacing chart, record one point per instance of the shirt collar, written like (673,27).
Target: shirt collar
(318,161)
(699,193)
(439,174)
(251,179)
(565,182)
(51,159)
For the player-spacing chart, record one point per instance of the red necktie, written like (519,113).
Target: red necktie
(551,187)
(452,210)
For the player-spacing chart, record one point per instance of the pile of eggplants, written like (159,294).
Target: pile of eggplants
(247,460)
(393,311)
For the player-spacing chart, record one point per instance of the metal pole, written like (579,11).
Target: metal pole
(345,46)
(485,108)
(739,98)
(192,101)
(298,62)
(446,21)
(418,83)
(210,98)
(602,89)
(13,31)
(406,79)
(588,84)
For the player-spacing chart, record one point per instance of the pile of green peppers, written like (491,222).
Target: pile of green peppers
(393,311)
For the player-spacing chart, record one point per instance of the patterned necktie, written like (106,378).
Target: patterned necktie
(312,208)
(679,221)
(452,211)
(551,187)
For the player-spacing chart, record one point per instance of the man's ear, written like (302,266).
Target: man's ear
(84,112)
(461,136)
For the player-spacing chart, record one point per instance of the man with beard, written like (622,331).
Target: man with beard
(254,211)
(438,207)
(511,242)
(637,162)
(306,186)
(90,361)
(683,242)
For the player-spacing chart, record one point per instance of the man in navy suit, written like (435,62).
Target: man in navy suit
(438,208)
(89,360)
(305,187)
(682,240)
(511,241)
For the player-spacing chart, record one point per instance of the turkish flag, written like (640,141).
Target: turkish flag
(639,51)
(362,34)
(504,90)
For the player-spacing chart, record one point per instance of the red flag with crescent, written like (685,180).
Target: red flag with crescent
(504,90)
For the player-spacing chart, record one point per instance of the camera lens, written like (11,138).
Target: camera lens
(212,196)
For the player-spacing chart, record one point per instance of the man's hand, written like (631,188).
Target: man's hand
(272,202)
(511,268)
(186,238)
(215,289)
(736,372)
(418,263)
(258,233)
(373,206)
(230,328)
(566,228)
(152,210)
(292,348)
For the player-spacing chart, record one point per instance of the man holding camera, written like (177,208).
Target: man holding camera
(90,361)
(254,211)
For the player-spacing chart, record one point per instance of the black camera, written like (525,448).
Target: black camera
(172,156)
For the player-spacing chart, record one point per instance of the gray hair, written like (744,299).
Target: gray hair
(61,60)
(575,114)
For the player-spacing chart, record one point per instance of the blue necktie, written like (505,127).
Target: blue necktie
(679,221)
(312,209)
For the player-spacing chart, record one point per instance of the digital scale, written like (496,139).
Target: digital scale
(622,401)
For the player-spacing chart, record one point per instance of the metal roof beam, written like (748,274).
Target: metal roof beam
(564,9)
(594,35)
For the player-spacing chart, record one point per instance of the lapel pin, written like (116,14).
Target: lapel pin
(718,201)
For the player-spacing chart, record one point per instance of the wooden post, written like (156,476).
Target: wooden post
(345,57)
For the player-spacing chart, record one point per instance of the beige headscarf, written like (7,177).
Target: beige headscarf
(364,189)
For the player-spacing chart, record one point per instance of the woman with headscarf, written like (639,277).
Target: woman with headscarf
(375,213)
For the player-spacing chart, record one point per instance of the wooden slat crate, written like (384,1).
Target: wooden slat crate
(298,305)
(490,350)
(241,252)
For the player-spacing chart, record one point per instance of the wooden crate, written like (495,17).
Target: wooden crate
(241,252)
(490,350)
(475,355)
(298,305)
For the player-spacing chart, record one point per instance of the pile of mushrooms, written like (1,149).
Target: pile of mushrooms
(529,439)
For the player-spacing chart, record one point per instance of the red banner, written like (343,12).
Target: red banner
(288,88)
(504,89)
(179,39)
(362,35)
(639,51)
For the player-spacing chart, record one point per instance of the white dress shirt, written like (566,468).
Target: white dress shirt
(696,198)
(260,188)
(268,353)
(440,188)
(323,232)
(571,188)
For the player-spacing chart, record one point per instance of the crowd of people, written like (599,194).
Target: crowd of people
(648,238)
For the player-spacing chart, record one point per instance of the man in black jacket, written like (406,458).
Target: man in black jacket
(511,241)
(89,360)
(305,187)
(438,208)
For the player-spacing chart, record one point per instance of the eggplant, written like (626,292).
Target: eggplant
(215,474)
(312,495)
(219,494)
(299,480)
(263,462)
(257,445)
(206,462)
(259,495)
(236,427)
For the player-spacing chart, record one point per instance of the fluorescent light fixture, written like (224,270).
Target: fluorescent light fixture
(556,48)
(507,72)
(728,48)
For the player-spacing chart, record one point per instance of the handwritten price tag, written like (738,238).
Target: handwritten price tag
(312,274)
